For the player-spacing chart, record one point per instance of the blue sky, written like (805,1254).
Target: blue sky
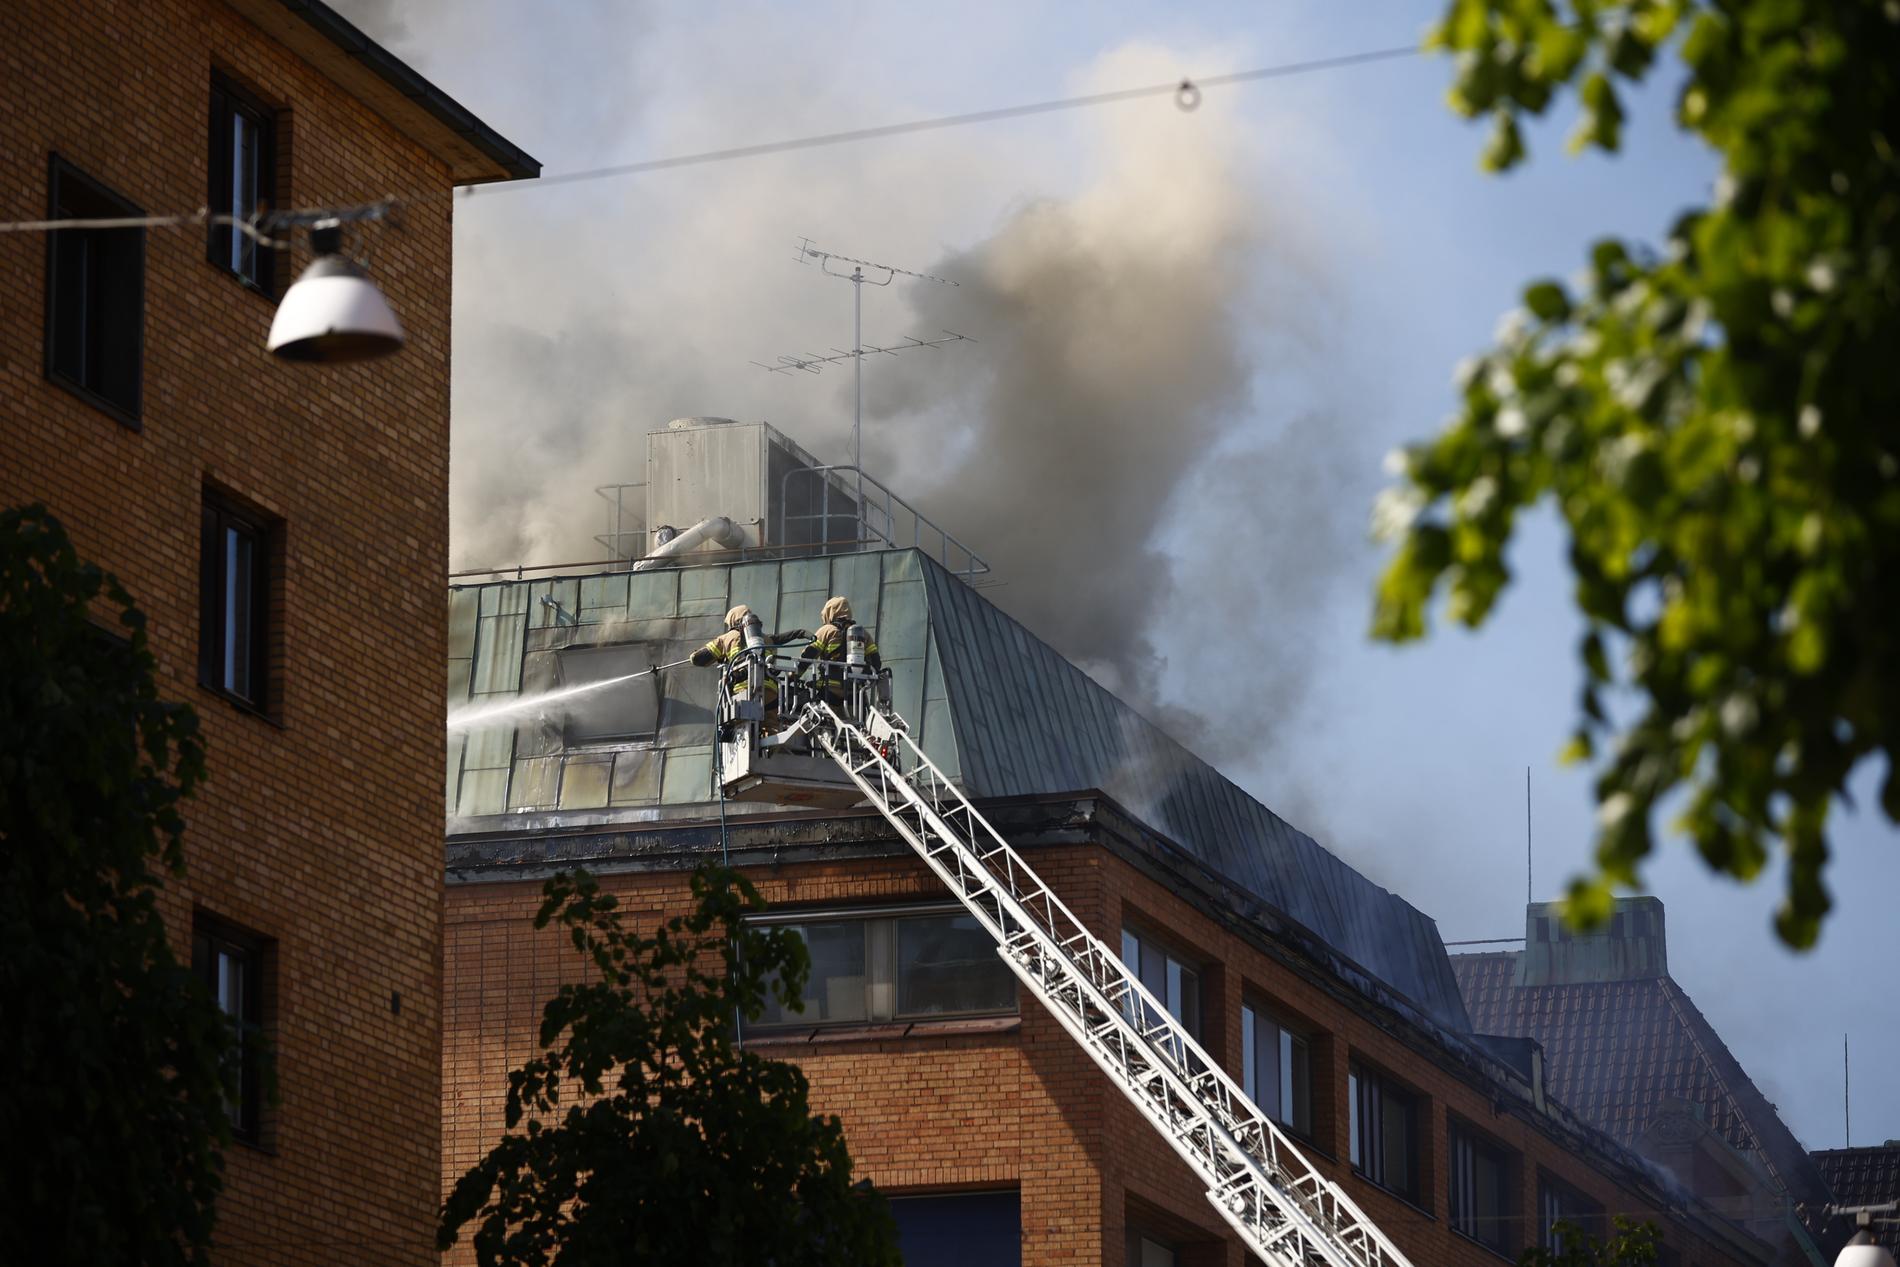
(587,314)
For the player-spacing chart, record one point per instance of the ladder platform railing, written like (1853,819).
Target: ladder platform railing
(1284,1210)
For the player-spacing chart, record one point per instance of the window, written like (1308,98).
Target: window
(243,181)
(1483,1197)
(1558,1202)
(95,296)
(234,602)
(622,706)
(231,964)
(915,964)
(1276,1069)
(1145,1251)
(1384,1131)
(1174,982)
(960,1229)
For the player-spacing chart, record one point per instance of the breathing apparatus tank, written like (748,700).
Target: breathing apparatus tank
(754,637)
(857,640)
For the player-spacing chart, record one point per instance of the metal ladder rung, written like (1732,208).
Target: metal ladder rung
(1285,1212)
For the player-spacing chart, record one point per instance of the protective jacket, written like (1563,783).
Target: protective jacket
(727,648)
(828,644)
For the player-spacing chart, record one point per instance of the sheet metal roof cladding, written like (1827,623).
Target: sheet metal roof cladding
(992,704)
(1029,721)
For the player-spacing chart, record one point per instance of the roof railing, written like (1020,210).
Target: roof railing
(623,542)
(878,517)
(887,521)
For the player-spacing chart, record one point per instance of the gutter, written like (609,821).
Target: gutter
(404,78)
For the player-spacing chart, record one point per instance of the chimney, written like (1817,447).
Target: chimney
(1630,946)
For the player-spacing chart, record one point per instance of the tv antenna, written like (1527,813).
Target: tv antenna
(861,272)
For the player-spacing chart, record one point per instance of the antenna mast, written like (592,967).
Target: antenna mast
(862,272)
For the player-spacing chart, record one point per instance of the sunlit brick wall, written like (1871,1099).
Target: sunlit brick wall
(935,1110)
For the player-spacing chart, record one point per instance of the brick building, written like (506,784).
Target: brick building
(1332,1000)
(1626,1047)
(282,526)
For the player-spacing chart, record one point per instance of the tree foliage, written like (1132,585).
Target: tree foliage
(644,1132)
(1630,1244)
(1717,423)
(112,1107)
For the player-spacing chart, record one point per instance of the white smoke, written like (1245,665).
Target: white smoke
(1142,440)
(1145,442)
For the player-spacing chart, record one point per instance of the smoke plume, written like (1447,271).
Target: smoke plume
(1143,442)
(1148,439)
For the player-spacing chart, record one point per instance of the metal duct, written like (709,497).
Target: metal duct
(718,530)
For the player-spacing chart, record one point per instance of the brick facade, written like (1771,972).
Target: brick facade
(947,1106)
(319,828)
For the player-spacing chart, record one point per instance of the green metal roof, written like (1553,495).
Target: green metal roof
(991,704)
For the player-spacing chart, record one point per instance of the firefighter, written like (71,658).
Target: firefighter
(728,649)
(828,645)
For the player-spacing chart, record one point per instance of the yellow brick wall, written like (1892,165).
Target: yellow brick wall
(936,1111)
(320,828)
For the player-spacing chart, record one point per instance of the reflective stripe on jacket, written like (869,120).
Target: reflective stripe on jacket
(829,642)
(727,649)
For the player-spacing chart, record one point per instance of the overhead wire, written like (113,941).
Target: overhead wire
(1187,93)
(257,227)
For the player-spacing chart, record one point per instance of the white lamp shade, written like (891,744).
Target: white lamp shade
(1862,1252)
(334,313)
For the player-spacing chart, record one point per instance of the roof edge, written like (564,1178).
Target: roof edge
(474,152)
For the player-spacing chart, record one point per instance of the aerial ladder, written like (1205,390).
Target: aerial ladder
(1284,1211)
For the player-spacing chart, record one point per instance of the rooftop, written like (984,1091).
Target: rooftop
(474,152)
(993,705)
(1866,1176)
(1623,1043)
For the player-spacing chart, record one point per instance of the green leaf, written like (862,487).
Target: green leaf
(1711,421)
(114,1095)
(1547,301)
(704,1146)
(1506,148)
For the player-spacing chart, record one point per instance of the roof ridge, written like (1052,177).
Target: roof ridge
(1696,1025)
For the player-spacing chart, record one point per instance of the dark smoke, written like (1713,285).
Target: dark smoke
(1147,439)
(1142,441)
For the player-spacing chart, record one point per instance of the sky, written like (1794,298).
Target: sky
(1196,335)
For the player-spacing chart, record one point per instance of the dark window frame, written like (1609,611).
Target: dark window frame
(99,318)
(1495,1231)
(884,970)
(937,1227)
(1136,1235)
(219,514)
(211,938)
(1172,955)
(1558,1201)
(1300,1036)
(229,100)
(1371,1095)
